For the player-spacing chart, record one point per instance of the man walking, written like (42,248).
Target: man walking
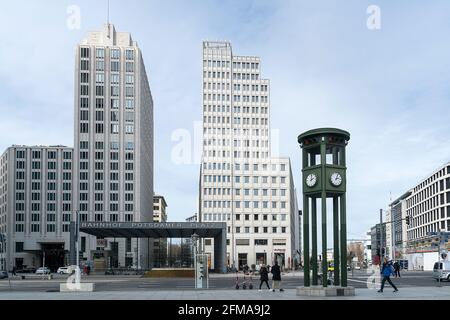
(276,277)
(386,271)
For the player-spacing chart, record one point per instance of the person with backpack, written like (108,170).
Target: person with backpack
(264,277)
(386,271)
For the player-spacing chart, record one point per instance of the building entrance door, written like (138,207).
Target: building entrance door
(54,255)
(280,259)
(261,258)
(242,260)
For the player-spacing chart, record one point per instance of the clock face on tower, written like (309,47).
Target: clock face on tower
(311,180)
(336,179)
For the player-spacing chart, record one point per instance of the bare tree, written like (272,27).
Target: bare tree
(355,249)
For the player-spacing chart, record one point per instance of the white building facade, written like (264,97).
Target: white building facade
(36,205)
(241,183)
(113,147)
(428,208)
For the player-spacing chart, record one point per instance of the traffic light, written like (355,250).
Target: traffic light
(407,220)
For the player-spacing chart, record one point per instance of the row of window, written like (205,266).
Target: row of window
(263,167)
(36,165)
(99,116)
(20,228)
(100,91)
(98,207)
(237,154)
(243,133)
(100,103)
(236,86)
(99,186)
(113,155)
(236,109)
(100,78)
(51,186)
(438,186)
(114,129)
(100,53)
(244,192)
(244,204)
(100,66)
(226,64)
(274,230)
(422,232)
(226,97)
(429,204)
(100,217)
(36,175)
(35,154)
(428,217)
(431,179)
(245,179)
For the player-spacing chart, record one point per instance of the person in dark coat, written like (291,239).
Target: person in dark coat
(386,271)
(264,277)
(397,269)
(276,277)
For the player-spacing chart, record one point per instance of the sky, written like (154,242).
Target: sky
(389,87)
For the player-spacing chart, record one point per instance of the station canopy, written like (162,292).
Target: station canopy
(153,229)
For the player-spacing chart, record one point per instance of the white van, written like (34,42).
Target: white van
(441,270)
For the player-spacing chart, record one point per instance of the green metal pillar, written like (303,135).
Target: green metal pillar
(324,214)
(336,250)
(343,243)
(314,240)
(306,241)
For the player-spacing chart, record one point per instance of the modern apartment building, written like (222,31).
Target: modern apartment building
(36,205)
(241,183)
(113,146)
(428,206)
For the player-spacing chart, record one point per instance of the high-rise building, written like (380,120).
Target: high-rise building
(159,245)
(241,183)
(113,147)
(35,206)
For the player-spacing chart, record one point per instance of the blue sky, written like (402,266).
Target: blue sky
(389,88)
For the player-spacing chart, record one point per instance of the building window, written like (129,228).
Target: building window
(19,247)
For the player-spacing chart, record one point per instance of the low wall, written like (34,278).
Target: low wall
(170,273)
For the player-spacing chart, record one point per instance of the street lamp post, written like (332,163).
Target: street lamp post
(194,239)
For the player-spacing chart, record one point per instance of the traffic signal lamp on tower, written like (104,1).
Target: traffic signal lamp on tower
(407,220)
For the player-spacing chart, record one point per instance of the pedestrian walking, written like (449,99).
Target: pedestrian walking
(276,277)
(397,269)
(14,271)
(264,277)
(88,269)
(386,271)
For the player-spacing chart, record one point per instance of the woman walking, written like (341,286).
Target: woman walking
(264,277)
(386,271)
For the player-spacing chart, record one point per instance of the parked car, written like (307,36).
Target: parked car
(66,270)
(441,270)
(27,270)
(43,270)
(3,274)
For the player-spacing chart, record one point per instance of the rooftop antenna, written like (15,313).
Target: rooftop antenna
(108,12)
(108,35)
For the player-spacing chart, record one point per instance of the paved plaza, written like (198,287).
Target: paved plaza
(423,293)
